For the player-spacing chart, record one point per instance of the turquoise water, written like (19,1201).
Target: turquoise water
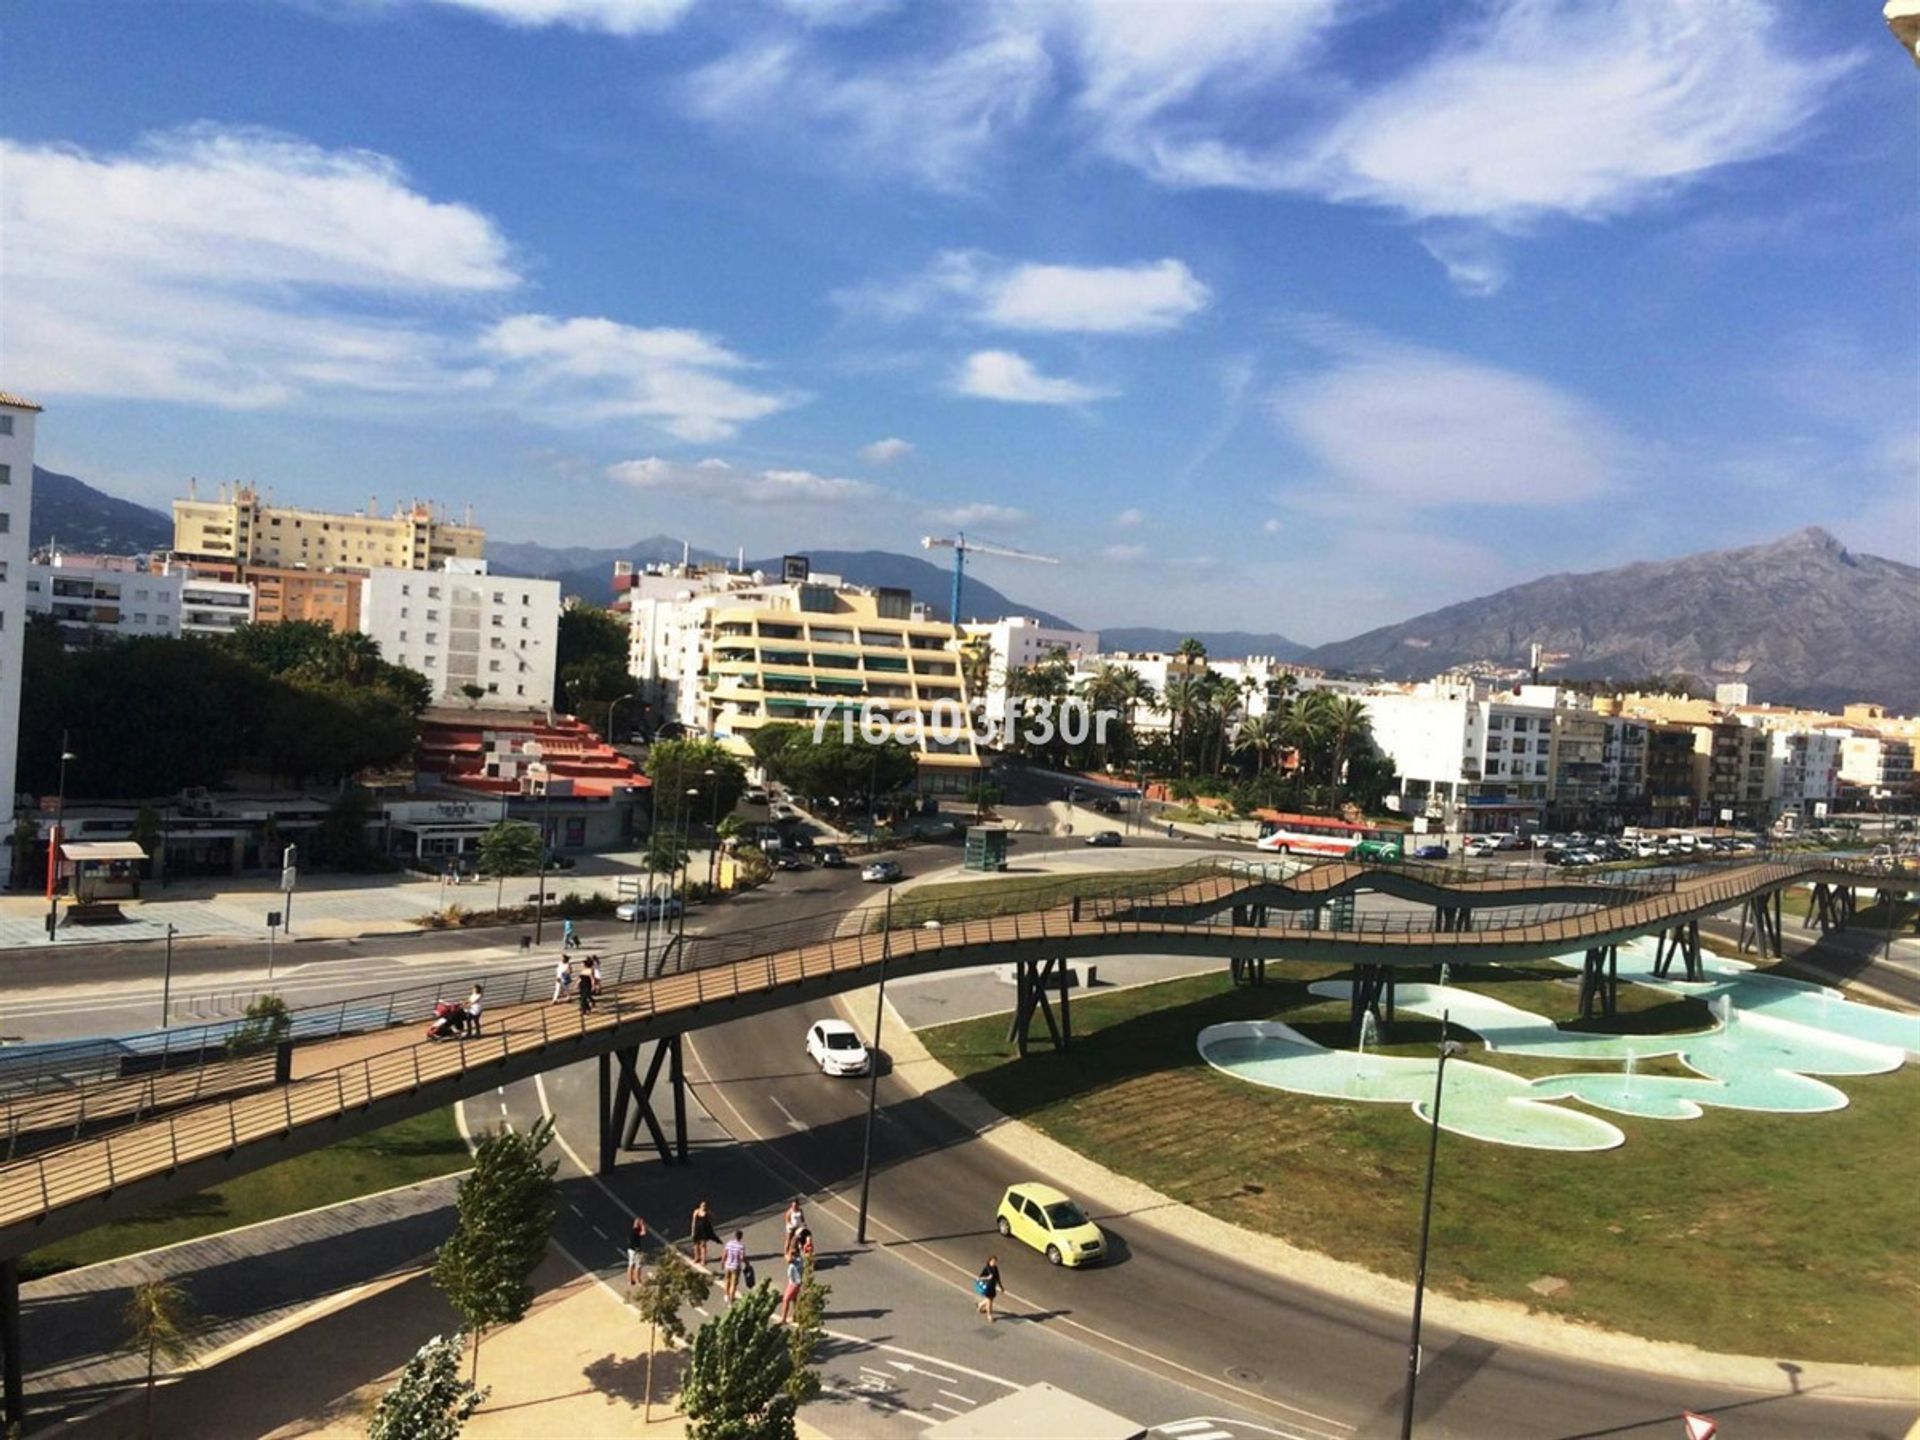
(1771,1039)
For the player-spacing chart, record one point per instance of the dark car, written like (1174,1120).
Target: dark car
(788,860)
(830,857)
(1107,805)
(1430,852)
(1105,838)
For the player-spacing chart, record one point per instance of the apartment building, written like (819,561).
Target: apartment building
(1802,774)
(98,598)
(210,606)
(17,419)
(1624,760)
(327,597)
(1260,680)
(1015,643)
(241,527)
(1730,773)
(666,608)
(1671,799)
(1475,762)
(1880,766)
(466,629)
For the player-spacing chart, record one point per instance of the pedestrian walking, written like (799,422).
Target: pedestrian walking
(636,1242)
(796,1273)
(987,1286)
(796,1218)
(593,969)
(702,1233)
(586,988)
(568,939)
(1169,829)
(474,1000)
(733,1261)
(562,980)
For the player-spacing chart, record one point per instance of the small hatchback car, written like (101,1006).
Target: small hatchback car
(1041,1216)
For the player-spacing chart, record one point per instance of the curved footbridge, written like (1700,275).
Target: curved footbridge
(130,1141)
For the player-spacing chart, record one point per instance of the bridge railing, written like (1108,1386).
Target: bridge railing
(698,971)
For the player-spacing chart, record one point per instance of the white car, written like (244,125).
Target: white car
(835,1047)
(661,906)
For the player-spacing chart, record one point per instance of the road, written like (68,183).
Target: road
(1181,1338)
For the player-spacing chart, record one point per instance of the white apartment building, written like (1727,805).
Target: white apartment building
(1264,671)
(212,607)
(1016,642)
(97,598)
(1474,762)
(667,607)
(463,627)
(1882,765)
(17,417)
(1803,772)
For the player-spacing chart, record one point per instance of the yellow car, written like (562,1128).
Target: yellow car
(1040,1216)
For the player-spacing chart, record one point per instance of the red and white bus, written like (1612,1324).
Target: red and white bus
(1324,836)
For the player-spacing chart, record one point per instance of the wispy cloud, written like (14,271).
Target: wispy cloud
(983,289)
(930,118)
(1006,375)
(1473,257)
(979,513)
(713,479)
(235,268)
(1132,518)
(886,452)
(614,17)
(598,369)
(1123,554)
(1429,430)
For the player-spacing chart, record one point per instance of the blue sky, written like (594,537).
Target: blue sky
(1305,316)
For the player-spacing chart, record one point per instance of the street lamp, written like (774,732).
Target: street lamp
(713,826)
(53,850)
(1448,1050)
(546,830)
(686,849)
(612,706)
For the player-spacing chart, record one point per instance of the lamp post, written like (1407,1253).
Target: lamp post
(166,981)
(1448,1049)
(713,826)
(546,828)
(53,848)
(612,706)
(873,1068)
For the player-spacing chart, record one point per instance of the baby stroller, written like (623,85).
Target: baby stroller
(449,1018)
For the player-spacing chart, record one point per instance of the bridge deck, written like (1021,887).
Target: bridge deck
(384,1075)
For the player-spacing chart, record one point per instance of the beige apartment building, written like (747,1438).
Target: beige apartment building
(786,653)
(240,527)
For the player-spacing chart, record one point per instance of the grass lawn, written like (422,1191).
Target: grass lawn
(952,900)
(416,1149)
(1786,1235)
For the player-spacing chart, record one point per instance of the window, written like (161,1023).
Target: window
(6,424)
(499,597)
(6,474)
(1539,747)
(1520,722)
(6,523)
(1539,767)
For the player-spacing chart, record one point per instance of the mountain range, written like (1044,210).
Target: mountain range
(1801,619)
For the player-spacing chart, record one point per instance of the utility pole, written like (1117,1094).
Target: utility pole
(873,1069)
(289,875)
(53,846)
(166,981)
(546,844)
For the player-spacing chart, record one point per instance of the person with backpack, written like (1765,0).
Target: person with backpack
(586,988)
(636,1243)
(734,1266)
(987,1286)
(568,939)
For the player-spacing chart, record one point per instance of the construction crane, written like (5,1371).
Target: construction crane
(963,547)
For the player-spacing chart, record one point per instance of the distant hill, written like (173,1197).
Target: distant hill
(588,572)
(1221,644)
(1802,619)
(77,517)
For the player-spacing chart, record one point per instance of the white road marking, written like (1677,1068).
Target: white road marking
(905,1368)
(1212,1427)
(1181,1427)
(793,1121)
(936,1405)
(601,1233)
(956,1395)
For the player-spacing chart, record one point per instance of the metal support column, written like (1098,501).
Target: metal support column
(1760,922)
(1600,982)
(1249,969)
(630,1104)
(1032,979)
(1681,943)
(1373,988)
(14,1389)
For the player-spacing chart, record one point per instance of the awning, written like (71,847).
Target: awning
(102,850)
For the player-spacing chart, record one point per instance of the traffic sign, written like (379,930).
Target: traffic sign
(1699,1427)
(273,919)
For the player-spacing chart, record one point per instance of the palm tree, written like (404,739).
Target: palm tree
(1267,735)
(1346,722)
(1184,699)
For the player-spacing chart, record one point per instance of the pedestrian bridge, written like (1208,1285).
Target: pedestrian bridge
(176,1130)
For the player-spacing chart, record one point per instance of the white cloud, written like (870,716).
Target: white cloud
(1429,430)
(929,118)
(1132,518)
(1567,106)
(1005,375)
(1272,526)
(614,17)
(1151,295)
(599,369)
(1472,257)
(885,452)
(1123,554)
(714,479)
(234,268)
(979,513)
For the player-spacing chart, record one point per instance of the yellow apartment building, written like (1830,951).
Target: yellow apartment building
(239,527)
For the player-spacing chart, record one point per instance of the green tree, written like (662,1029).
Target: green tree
(159,1321)
(590,655)
(146,834)
(429,1401)
(512,847)
(769,741)
(506,1207)
(264,1024)
(665,853)
(737,1378)
(677,766)
(805,1334)
(846,768)
(658,1297)
(341,841)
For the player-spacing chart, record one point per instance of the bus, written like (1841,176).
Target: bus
(1328,838)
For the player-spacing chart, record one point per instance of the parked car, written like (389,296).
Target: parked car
(881,872)
(662,907)
(788,860)
(1107,805)
(836,1048)
(783,811)
(1106,839)
(1430,852)
(830,857)
(755,795)
(1043,1217)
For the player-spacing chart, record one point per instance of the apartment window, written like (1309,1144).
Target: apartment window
(499,597)
(1519,722)
(403,637)
(1539,767)
(427,661)
(498,621)
(493,667)
(433,614)
(1540,747)
(406,589)
(1494,743)
(432,638)
(524,625)
(433,592)
(6,523)
(6,474)
(6,424)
